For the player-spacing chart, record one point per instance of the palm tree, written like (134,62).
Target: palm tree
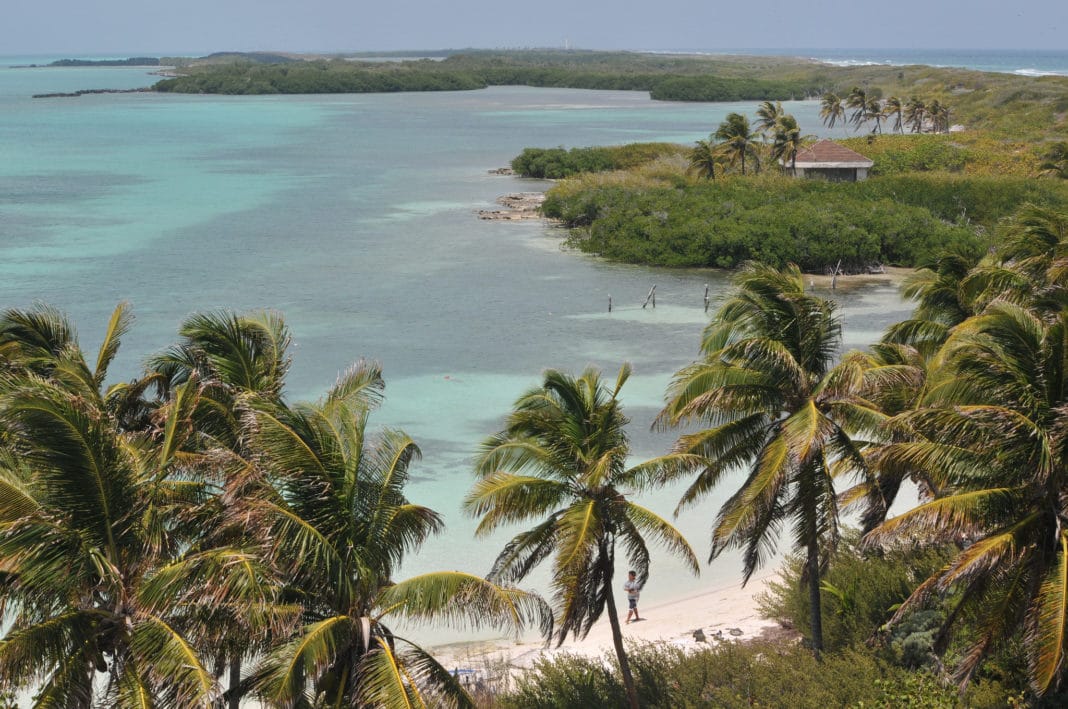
(915,114)
(86,526)
(832,110)
(339,525)
(893,109)
(993,431)
(239,362)
(561,461)
(704,157)
(873,111)
(773,405)
(1055,161)
(738,140)
(857,100)
(787,141)
(768,114)
(938,116)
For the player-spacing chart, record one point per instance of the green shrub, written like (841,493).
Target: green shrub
(727,675)
(903,220)
(861,590)
(554,163)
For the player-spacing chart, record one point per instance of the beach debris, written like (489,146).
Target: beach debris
(735,631)
(699,636)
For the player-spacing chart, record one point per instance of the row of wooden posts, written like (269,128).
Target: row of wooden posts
(651,298)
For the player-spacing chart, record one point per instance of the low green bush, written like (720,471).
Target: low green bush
(554,163)
(902,220)
(728,675)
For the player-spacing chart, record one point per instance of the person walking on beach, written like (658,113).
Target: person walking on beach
(633,588)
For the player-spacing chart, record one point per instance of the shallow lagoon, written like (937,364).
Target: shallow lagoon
(354,216)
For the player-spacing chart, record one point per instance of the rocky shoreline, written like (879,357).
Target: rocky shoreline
(517,206)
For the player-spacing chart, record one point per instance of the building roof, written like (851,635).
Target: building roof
(827,153)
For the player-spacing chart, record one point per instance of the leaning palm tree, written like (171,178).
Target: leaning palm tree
(873,111)
(892,108)
(857,100)
(938,116)
(704,157)
(738,141)
(768,114)
(561,461)
(915,114)
(773,406)
(993,431)
(87,522)
(787,141)
(338,524)
(831,110)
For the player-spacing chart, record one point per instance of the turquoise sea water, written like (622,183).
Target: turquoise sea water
(354,216)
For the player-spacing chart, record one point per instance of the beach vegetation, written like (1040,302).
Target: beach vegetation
(555,163)
(757,674)
(561,462)
(862,587)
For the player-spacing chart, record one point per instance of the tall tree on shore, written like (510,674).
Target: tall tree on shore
(938,116)
(738,141)
(915,114)
(993,430)
(239,361)
(873,111)
(768,115)
(335,514)
(831,110)
(772,403)
(892,108)
(89,523)
(704,157)
(857,101)
(786,141)
(561,461)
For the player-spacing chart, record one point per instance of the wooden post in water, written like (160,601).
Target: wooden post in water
(609,302)
(834,278)
(651,296)
(706,297)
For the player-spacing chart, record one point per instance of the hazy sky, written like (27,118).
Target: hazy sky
(71,27)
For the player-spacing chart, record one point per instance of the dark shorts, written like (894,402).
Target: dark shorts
(632,603)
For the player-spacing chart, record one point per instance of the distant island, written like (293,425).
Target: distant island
(131,61)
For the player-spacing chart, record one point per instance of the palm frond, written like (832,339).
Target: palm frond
(177,674)
(410,679)
(1048,634)
(118,325)
(466,601)
(663,533)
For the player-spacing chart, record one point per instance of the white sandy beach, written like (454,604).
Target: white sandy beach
(727,612)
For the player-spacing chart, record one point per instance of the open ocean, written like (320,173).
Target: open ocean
(354,215)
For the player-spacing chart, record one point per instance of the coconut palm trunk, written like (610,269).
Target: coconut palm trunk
(815,609)
(617,635)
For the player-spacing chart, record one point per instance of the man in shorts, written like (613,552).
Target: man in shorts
(633,588)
